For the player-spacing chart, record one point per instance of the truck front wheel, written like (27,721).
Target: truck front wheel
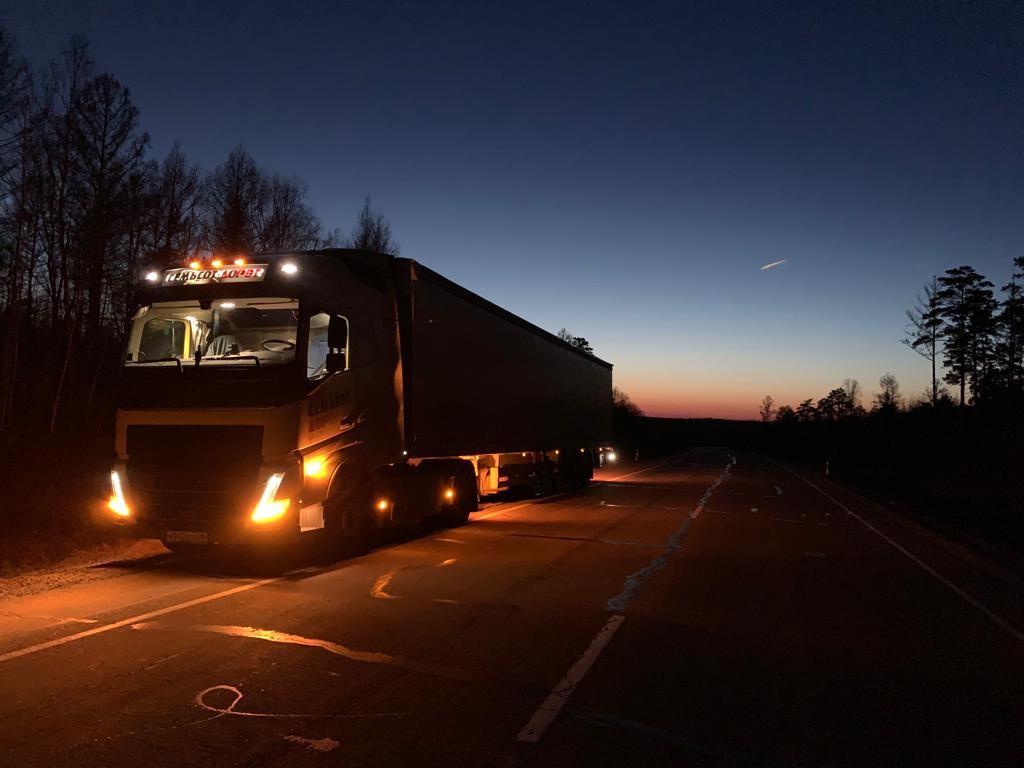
(348,524)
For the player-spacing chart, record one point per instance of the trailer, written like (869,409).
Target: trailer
(337,391)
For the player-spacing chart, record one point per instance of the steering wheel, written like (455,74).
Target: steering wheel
(288,346)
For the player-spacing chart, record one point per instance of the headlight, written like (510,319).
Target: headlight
(271,508)
(611,456)
(117,503)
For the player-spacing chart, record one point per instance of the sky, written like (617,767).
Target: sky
(623,170)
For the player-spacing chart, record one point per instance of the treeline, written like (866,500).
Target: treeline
(84,206)
(954,456)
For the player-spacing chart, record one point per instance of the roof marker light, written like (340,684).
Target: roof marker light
(227,305)
(216,263)
(288,268)
(152,277)
(239,262)
(195,264)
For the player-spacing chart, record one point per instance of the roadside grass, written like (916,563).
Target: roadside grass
(47,489)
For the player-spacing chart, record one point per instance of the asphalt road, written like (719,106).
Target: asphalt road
(694,612)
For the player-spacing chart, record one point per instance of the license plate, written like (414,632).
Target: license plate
(187,537)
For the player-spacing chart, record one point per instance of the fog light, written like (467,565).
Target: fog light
(611,456)
(270,508)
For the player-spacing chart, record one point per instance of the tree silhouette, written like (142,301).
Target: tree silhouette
(622,404)
(967,306)
(234,200)
(372,232)
(1010,323)
(806,411)
(767,409)
(577,341)
(924,330)
(888,399)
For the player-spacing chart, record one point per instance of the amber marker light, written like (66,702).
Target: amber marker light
(239,262)
(449,494)
(269,507)
(195,264)
(315,467)
(382,505)
(117,503)
(216,263)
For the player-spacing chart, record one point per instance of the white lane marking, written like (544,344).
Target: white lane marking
(552,705)
(57,642)
(498,512)
(379,588)
(315,745)
(996,619)
(778,491)
(549,709)
(450,541)
(639,471)
(634,581)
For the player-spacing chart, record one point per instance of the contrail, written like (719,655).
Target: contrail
(773,264)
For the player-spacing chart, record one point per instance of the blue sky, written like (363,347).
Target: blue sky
(622,169)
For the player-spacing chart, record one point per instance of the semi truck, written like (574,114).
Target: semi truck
(334,392)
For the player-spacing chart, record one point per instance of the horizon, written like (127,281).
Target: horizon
(726,205)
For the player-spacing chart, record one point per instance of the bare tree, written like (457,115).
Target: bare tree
(888,399)
(853,391)
(372,232)
(622,404)
(109,148)
(234,199)
(767,408)
(924,330)
(286,222)
(15,94)
(176,223)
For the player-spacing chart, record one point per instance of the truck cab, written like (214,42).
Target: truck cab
(246,387)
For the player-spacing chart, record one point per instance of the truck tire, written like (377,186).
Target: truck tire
(466,499)
(348,521)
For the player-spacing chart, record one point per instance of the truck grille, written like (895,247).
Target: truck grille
(193,474)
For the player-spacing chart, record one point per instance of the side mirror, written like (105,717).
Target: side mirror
(335,362)
(337,332)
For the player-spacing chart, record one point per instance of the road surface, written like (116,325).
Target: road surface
(706,610)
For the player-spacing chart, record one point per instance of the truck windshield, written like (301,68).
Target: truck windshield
(251,331)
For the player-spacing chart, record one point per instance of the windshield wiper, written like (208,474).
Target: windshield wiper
(159,360)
